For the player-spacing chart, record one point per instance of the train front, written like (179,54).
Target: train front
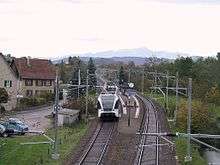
(108,106)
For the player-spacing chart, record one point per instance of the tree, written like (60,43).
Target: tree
(201,117)
(91,70)
(122,77)
(3,98)
(213,96)
(75,63)
(218,56)
(184,67)
(131,64)
(62,72)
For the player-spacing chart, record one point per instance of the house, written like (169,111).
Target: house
(9,81)
(25,77)
(36,76)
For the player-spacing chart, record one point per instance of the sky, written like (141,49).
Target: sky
(55,28)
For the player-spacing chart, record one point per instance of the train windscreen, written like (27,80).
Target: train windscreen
(107,101)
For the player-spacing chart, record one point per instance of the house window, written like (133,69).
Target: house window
(48,83)
(37,92)
(28,82)
(7,83)
(29,93)
(39,83)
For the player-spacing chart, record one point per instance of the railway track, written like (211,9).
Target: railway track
(148,152)
(98,145)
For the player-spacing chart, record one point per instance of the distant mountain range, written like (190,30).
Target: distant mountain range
(139,56)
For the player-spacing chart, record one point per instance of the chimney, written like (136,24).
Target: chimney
(28,61)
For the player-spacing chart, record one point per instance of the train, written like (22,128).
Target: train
(108,106)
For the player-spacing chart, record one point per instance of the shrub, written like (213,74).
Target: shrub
(3,99)
(2,109)
(213,96)
(3,96)
(32,101)
(47,96)
(201,118)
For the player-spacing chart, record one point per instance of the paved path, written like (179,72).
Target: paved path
(36,119)
(134,118)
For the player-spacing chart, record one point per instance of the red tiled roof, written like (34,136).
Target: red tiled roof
(38,68)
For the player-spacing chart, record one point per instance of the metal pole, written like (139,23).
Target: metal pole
(129,75)
(87,93)
(167,92)
(129,111)
(142,84)
(157,144)
(55,154)
(79,82)
(188,156)
(177,96)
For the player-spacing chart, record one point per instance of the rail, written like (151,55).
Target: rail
(99,144)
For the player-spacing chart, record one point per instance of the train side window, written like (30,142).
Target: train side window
(98,105)
(117,105)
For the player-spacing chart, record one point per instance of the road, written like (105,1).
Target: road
(36,119)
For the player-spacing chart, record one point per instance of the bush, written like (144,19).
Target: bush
(2,109)
(33,101)
(3,99)
(213,96)
(3,96)
(47,96)
(201,118)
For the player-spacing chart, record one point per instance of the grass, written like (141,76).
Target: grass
(181,148)
(215,110)
(13,153)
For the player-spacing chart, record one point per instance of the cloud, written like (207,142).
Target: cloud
(188,1)
(82,1)
(51,27)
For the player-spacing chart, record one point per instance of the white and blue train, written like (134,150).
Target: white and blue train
(108,106)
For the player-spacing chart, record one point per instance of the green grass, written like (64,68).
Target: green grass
(215,110)
(13,153)
(181,148)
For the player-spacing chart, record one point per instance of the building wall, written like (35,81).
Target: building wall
(34,88)
(7,74)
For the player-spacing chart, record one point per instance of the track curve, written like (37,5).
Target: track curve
(148,151)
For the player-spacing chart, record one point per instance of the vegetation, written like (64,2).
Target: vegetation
(122,77)
(42,99)
(3,99)
(181,148)
(15,153)
(92,77)
(201,118)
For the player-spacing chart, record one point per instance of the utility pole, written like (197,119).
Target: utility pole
(142,84)
(155,78)
(55,154)
(79,81)
(129,75)
(167,92)
(177,96)
(87,93)
(188,157)
(129,110)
